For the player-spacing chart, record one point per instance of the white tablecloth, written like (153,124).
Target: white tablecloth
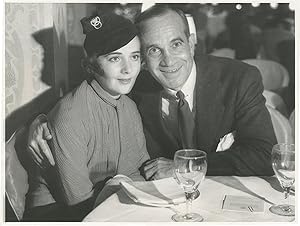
(120,208)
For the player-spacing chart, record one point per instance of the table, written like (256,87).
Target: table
(120,208)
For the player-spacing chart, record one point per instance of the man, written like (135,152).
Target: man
(223,96)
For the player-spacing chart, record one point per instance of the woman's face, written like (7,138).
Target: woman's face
(120,68)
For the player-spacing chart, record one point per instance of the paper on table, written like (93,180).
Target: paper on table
(163,193)
(242,203)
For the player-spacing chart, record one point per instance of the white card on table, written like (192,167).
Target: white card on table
(242,203)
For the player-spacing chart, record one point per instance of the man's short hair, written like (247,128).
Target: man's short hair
(161,9)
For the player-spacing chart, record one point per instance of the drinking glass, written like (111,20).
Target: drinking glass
(190,170)
(283,163)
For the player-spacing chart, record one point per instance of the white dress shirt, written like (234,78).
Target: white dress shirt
(170,101)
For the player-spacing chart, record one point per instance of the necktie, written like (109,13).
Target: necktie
(186,122)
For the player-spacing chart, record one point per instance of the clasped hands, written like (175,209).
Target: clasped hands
(158,168)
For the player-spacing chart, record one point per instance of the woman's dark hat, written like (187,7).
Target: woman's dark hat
(106,33)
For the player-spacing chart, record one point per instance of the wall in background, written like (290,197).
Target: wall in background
(35,60)
(60,47)
(75,12)
(23,54)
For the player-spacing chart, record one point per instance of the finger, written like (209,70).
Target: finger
(150,166)
(165,161)
(35,157)
(38,164)
(169,164)
(149,176)
(34,148)
(166,165)
(158,164)
(46,152)
(166,172)
(150,173)
(43,165)
(46,131)
(149,162)
(153,177)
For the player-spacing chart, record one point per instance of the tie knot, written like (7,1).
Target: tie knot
(180,95)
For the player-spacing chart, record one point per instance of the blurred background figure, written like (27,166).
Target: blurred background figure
(275,30)
(241,40)
(200,20)
(286,54)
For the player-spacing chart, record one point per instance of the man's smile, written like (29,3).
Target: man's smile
(170,70)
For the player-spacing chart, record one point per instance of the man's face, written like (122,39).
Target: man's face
(168,53)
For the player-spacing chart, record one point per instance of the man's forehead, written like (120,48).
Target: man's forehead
(168,17)
(162,26)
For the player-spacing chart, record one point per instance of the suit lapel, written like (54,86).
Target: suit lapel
(209,104)
(150,110)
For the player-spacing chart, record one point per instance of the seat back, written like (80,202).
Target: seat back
(281,125)
(275,101)
(224,52)
(292,122)
(16,178)
(274,75)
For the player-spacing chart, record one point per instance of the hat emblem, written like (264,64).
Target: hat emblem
(96,22)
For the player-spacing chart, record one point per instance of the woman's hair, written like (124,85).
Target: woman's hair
(90,65)
(240,37)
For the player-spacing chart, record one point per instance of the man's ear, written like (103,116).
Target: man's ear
(144,65)
(192,43)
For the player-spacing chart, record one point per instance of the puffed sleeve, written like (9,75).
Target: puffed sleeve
(69,148)
(136,152)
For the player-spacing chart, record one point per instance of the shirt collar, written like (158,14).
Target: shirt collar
(188,87)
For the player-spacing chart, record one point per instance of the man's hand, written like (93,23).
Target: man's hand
(159,168)
(38,136)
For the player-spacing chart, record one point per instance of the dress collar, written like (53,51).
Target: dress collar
(105,96)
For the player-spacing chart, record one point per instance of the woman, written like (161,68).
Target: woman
(97,130)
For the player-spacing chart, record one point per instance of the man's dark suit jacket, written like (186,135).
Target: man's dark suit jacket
(228,98)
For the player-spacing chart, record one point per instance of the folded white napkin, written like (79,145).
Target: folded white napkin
(162,193)
(111,187)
